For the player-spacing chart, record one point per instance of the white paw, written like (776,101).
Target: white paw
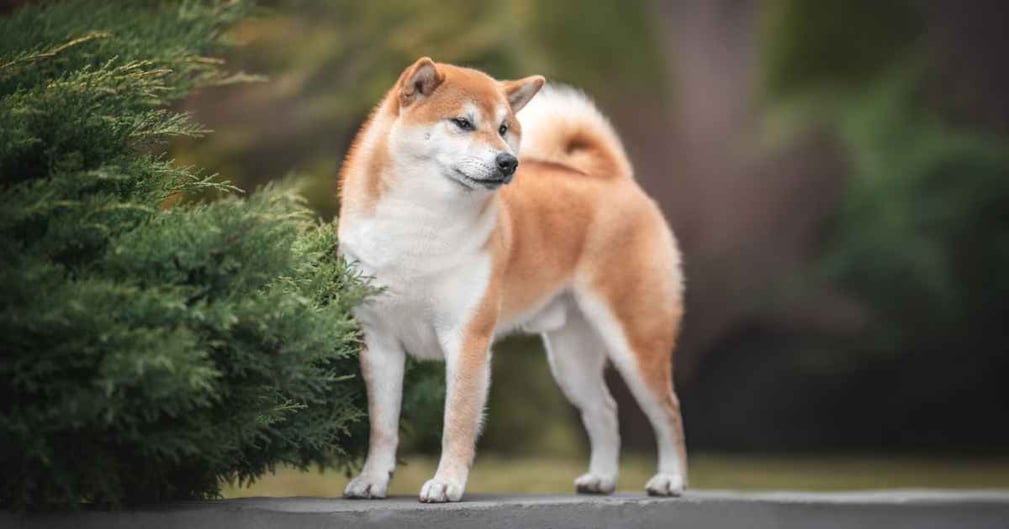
(440,491)
(665,485)
(595,484)
(367,486)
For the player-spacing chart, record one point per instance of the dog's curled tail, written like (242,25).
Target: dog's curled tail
(562,125)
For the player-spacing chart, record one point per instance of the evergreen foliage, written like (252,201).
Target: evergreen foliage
(920,239)
(151,346)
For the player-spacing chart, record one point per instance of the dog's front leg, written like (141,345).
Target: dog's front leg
(467,374)
(382,361)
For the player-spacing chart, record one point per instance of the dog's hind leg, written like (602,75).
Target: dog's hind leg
(577,360)
(634,301)
(641,352)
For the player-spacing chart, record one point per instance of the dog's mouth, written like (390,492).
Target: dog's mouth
(471,183)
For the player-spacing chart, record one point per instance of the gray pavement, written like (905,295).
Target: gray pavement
(697,509)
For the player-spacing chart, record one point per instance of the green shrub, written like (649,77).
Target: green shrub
(151,346)
(913,256)
(921,237)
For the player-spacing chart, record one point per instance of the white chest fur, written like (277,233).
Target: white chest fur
(430,262)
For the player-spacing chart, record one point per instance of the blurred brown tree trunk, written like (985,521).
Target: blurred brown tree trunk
(746,215)
(745,218)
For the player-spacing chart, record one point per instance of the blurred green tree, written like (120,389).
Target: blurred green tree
(920,237)
(152,346)
(921,241)
(919,219)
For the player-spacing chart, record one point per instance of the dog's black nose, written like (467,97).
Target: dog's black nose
(506,163)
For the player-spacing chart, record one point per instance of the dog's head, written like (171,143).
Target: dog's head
(458,125)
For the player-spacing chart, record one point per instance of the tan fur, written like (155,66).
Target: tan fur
(573,215)
(362,188)
(361,191)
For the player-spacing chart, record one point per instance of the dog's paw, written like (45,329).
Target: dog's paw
(665,485)
(439,490)
(595,484)
(367,486)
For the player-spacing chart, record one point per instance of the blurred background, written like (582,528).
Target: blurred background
(836,171)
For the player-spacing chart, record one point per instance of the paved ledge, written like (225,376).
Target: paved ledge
(697,509)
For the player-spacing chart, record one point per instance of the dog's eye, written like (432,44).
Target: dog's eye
(463,123)
(503,129)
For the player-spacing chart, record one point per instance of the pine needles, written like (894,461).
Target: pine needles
(147,352)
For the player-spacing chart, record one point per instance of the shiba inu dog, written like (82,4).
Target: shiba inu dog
(481,210)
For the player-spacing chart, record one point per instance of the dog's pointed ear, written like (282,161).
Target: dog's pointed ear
(419,81)
(521,91)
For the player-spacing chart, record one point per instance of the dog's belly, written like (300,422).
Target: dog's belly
(413,310)
(548,316)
